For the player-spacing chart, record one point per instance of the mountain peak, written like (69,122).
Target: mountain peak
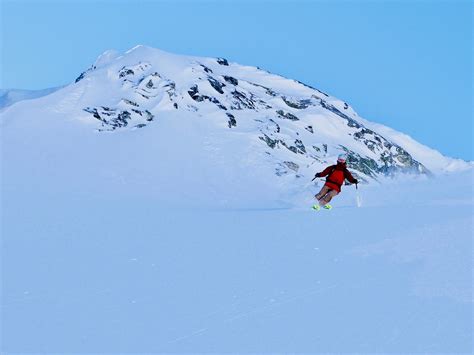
(241,118)
(143,51)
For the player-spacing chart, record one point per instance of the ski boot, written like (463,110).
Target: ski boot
(327,206)
(316,207)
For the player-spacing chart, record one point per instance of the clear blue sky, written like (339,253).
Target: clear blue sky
(407,64)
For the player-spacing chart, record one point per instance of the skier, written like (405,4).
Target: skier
(336,175)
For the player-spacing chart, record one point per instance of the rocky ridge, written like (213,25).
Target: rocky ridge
(293,126)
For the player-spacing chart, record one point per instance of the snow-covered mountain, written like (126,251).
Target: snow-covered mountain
(157,115)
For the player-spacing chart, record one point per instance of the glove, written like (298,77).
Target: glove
(356,181)
(317,175)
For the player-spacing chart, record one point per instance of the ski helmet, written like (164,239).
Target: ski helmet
(342,158)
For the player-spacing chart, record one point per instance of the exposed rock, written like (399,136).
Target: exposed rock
(309,129)
(218,104)
(291,148)
(170,88)
(259,103)
(268,91)
(149,115)
(217,85)
(231,122)
(143,95)
(84,73)
(231,80)
(281,170)
(287,115)
(350,121)
(298,104)
(310,87)
(241,101)
(300,146)
(80,77)
(134,69)
(297,148)
(390,163)
(222,61)
(291,165)
(286,167)
(322,148)
(364,165)
(121,120)
(107,111)
(125,71)
(272,143)
(206,69)
(130,102)
(93,111)
(276,125)
(112,119)
(194,93)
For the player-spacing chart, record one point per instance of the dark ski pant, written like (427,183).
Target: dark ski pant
(325,195)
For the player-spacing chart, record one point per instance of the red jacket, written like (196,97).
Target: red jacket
(337,174)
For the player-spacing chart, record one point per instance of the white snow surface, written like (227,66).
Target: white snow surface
(10,96)
(125,273)
(180,237)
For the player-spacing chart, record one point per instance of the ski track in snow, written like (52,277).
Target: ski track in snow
(255,311)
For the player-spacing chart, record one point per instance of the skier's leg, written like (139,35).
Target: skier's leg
(322,193)
(328,197)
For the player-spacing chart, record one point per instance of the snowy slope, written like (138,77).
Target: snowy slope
(234,129)
(10,96)
(107,274)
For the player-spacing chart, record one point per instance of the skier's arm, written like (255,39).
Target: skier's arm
(349,177)
(324,172)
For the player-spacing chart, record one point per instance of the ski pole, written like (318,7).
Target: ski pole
(359,202)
